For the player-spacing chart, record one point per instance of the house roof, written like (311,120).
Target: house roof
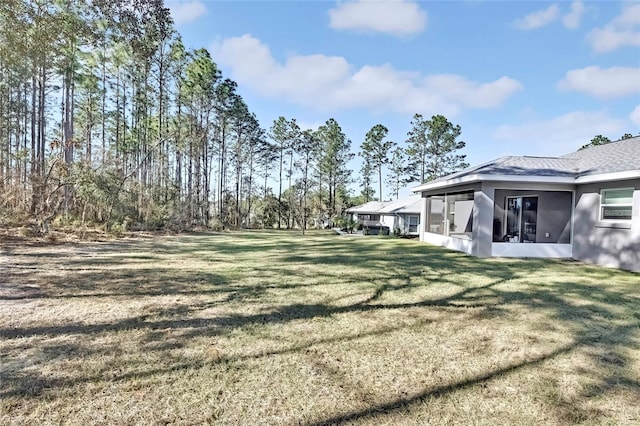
(612,161)
(614,157)
(370,207)
(406,205)
(410,204)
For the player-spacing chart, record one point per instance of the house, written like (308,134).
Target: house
(584,205)
(402,215)
(368,216)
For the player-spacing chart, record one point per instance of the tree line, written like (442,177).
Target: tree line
(106,118)
(603,140)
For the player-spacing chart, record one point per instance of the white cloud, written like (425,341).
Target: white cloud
(563,134)
(185,12)
(399,17)
(630,16)
(635,116)
(538,19)
(330,82)
(572,19)
(624,30)
(603,83)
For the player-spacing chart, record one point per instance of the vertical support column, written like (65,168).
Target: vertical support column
(483,221)
(423,218)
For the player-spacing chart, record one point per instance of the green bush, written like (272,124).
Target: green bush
(351,225)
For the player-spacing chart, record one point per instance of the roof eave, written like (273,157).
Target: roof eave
(607,177)
(494,178)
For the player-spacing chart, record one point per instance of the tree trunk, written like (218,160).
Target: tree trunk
(249,189)
(380,180)
(280,191)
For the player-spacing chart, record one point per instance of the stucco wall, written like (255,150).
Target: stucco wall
(401,220)
(606,243)
(482,221)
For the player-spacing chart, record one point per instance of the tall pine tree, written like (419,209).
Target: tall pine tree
(432,148)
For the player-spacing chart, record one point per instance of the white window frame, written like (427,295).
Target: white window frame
(602,205)
(417,224)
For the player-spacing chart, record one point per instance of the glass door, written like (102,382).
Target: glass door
(522,219)
(514,217)
(529,219)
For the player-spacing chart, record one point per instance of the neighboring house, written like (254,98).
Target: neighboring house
(368,215)
(402,214)
(584,205)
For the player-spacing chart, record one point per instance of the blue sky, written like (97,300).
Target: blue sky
(520,78)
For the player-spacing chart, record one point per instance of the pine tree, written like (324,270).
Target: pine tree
(397,176)
(432,148)
(375,151)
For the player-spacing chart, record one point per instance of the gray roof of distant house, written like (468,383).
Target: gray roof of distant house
(614,157)
(370,207)
(406,205)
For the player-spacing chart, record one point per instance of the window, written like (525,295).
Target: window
(460,214)
(451,215)
(435,215)
(413,223)
(616,204)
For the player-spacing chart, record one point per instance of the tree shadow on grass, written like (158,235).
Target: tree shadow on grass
(604,320)
(586,321)
(439,391)
(21,384)
(598,327)
(97,283)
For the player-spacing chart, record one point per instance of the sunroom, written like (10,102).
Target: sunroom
(529,223)
(493,219)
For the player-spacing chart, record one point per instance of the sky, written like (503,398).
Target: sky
(520,77)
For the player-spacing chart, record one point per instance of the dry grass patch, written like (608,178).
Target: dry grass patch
(279,328)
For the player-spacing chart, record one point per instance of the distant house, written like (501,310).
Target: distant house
(584,205)
(402,214)
(368,216)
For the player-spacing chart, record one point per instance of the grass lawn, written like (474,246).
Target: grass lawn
(279,328)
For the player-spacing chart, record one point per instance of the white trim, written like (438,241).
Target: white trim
(573,218)
(496,178)
(408,224)
(539,250)
(604,177)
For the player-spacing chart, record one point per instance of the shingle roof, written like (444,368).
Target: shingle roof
(521,166)
(619,156)
(370,207)
(410,204)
